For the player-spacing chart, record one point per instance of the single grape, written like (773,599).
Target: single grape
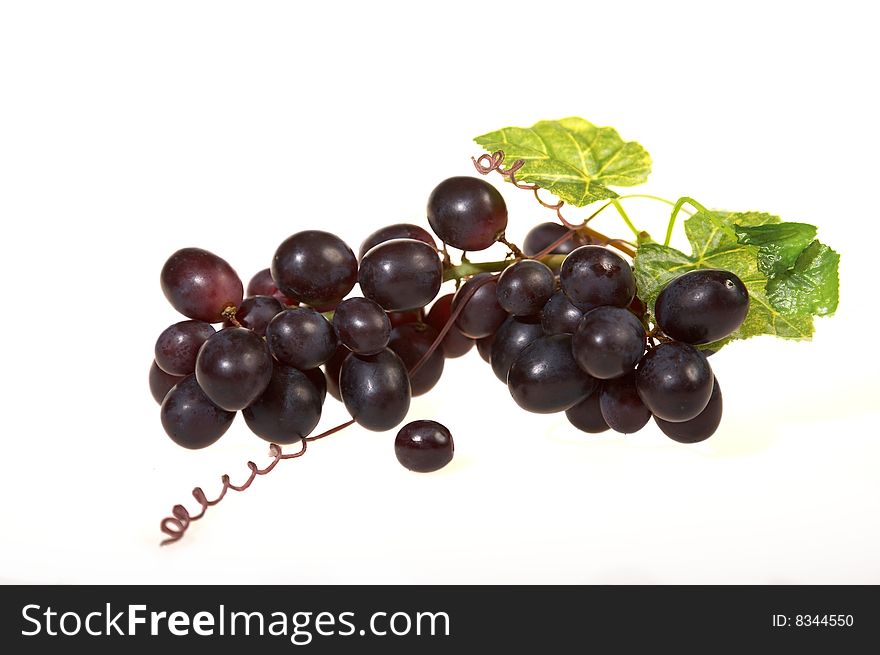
(592,276)
(401,274)
(467,213)
(544,378)
(622,408)
(410,342)
(586,416)
(316,267)
(362,326)
(525,287)
(484,347)
(319,381)
(424,446)
(288,410)
(190,418)
(200,285)
(262,284)
(161,382)
(559,316)
(674,381)
(396,231)
(702,306)
(543,234)
(233,368)
(512,337)
(699,428)
(301,337)
(408,316)
(256,312)
(177,346)
(332,368)
(608,342)
(455,344)
(482,315)
(375,389)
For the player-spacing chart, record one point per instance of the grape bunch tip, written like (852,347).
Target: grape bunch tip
(566,321)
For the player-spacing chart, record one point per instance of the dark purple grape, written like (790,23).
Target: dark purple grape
(608,342)
(319,381)
(411,341)
(332,368)
(396,231)
(190,418)
(401,274)
(525,287)
(262,284)
(408,316)
(161,383)
(482,315)
(362,326)
(300,337)
(256,312)
(544,378)
(200,285)
(288,410)
(702,306)
(467,213)
(544,234)
(424,446)
(455,344)
(511,339)
(233,368)
(622,408)
(484,347)
(586,416)
(674,381)
(593,276)
(699,428)
(375,389)
(559,316)
(177,346)
(316,267)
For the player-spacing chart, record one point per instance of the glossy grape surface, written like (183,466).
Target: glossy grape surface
(484,347)
(411,341)
(454,343)
(177,346)
(233,368)
(396,231)
(301,337)
(262,284)
(200,285)
(332,368)
(559,316)
(593,276)
(586,416)
(256,312)
(288,409)
(525,287)
(482,315)
(424,446)
(702,306)
(190,418)
(544,378)
(316,267)
(699,428)
(608,342)
(375,389)
(674,381)
(543,234)
(161,382)
(362,326)
(512,337)
(401,274)
(622,408)
(467,213)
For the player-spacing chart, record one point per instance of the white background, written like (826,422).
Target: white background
(129,130)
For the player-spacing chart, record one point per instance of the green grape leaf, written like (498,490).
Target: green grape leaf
(790,277)
(571,158)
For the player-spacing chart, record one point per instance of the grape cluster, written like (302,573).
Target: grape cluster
(570,337)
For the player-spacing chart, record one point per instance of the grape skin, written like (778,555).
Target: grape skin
(256,312)
(454,343)
(482,315)
(401,274)
(621,406)
(190,418)
(512,337)
(200,285)
(559,316)
(332,368)
(699,428)
(161,382)
(593,276)
(262,284)
(586,416)
(467,213)
(544,378)
(424,446)
(375,390)
(702,306)
(608,342)
(178,345)
(288,410)
(233,368)
(525,287)
(316,267)
(301,337)
(674,381)
(362,326)
(410,342)
(396,231)
(484,347)
(543,234)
